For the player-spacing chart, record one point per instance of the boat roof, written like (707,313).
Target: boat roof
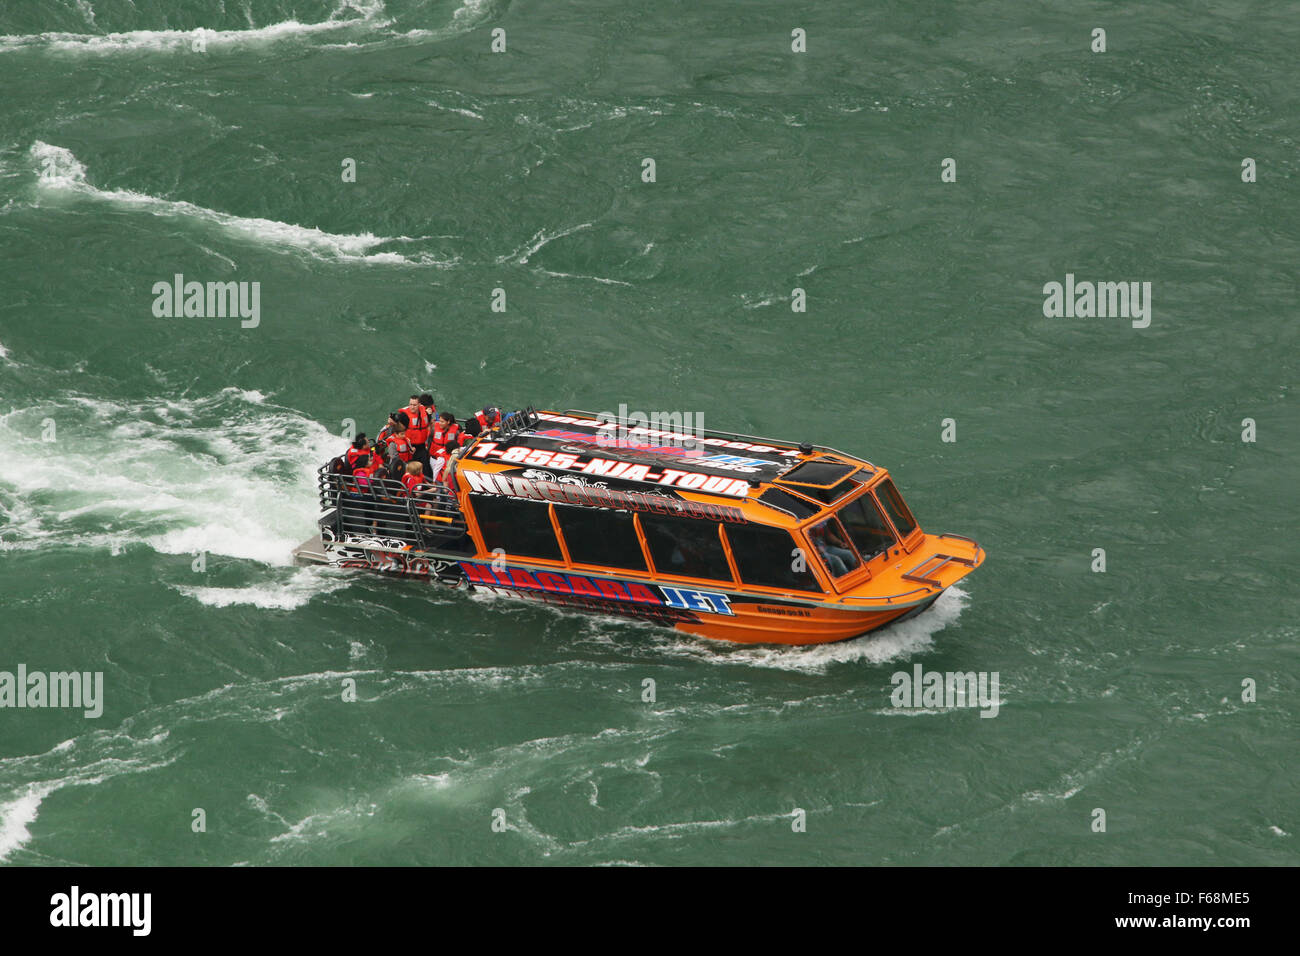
(733,466)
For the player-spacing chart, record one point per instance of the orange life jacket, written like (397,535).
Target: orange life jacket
(402,445)
(412,481)
(418,430)
(443,433)
(355,454)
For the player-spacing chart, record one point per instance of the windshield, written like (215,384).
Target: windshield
(866,526)
(833,545)
(896,508)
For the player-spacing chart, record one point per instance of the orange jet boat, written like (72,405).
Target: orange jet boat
(721,535)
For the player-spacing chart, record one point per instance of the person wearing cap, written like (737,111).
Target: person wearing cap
(483,421)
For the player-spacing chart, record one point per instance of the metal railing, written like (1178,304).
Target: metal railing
(517,422)
(884,598)
(730,436)
(927,577)
(383,508)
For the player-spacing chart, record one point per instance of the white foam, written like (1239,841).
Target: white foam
(899,641)
(372,26)
(18,814)
(60,172)
(228,474)
(542,237)
(110,754)
(570,275)
(177,40)
(294,593)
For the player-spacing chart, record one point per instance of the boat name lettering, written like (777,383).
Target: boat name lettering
(523,580)
(689,599)
(607,468)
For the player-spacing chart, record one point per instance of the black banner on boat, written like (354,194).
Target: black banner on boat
(595,496)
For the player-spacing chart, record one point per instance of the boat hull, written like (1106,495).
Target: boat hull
(733,616)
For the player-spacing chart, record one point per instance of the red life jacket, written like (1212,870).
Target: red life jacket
(412,481)
(418,430)
(355,455)
(402,445)
(443,433)
(481,415)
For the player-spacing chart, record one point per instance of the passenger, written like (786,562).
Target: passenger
(360,474)
(835,551)
(358,450)
(455,451)
(437,461)
(444,430)
(414,476)
(397,449)
(440,467)
(387,432)
(419,420)
(365,470)
(363,486)
(483,421)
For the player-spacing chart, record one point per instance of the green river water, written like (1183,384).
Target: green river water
(136,448)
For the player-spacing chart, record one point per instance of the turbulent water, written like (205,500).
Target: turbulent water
(156,472)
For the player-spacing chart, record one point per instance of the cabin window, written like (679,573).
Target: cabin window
(866,526)
(519,528)
(766,557)
(833,545)
(791,505)
(598,536)
(896,508)
(686,546)
(822,472)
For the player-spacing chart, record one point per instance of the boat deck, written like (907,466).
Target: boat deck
(311,551)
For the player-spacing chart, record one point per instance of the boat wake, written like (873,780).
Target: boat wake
(352,23)
(294,592)
(60,173)
(226,474)
(26,781)
(893,642)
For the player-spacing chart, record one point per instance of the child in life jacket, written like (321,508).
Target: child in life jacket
(414,476)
